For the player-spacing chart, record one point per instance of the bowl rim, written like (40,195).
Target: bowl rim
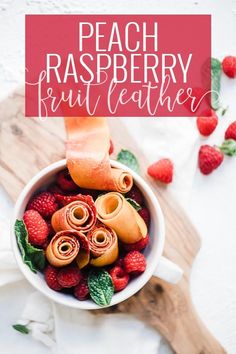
(120,296)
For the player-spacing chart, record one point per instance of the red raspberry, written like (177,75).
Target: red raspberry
(50,275)
(81,290)
(229,66)
(206,125)
(134,263)
(55,189)
(69,276)
(162,170)
(136,195)
(45,203)
(231,131)
(50,228)
(119,262)
(111,148)
(65,181)
(119,278)
(145,214)
(137,246)
(37,227)
(209,158)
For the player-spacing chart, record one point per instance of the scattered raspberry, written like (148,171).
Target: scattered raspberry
(134,263)
(137,246)
(69,276)
(81,290)
(162,170)
(119,278)
(209,158)
(44,203)
(231,131)
(229,66)
(50,275)
(136,195)
(65,181)
(37,227)
(145,214)
(111,148)
(206,125)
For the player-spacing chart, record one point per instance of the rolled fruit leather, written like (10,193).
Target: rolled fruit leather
(67,246)
(117,213)
(78,215)
(103,244)
(87,146)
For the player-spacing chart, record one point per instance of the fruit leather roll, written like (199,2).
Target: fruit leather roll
(87,156)
(103,245)
(66,246)
(78,215)
(114,211)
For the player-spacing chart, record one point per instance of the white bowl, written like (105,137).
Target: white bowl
(153,252)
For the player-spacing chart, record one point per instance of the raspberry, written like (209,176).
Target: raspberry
(119,262)
(55,189)
(119,278)
(69,276)
(145,214)
(50,228)
(37,227)
(162,170)
(231,131)
(65,181)
(81,290)
(209,158)
(134,263)
(44,203)
(50,275)
(137,246)
(136,195)
(206,125)
(111,148)
(229,66)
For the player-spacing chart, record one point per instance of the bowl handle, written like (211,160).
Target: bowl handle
(168,271)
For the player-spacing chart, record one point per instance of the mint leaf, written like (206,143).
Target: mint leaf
(21,328)
(134,204)
(215,83)
(127,158)
(101,287)
(33,257)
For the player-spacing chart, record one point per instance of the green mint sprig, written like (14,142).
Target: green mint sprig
(134,204)
(101,287)
(128,158)
(21,328)
(32,256)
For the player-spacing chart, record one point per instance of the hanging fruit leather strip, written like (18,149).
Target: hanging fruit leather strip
(87,156)
(78,215)
(103,244)
(66,246)
(63,248)
(116,212)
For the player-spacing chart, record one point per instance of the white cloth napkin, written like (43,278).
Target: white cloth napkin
(64,330)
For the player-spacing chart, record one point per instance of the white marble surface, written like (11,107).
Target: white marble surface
(212,198)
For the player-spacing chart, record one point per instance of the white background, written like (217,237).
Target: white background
(212,204)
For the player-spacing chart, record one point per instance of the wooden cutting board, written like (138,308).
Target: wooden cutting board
(27,145)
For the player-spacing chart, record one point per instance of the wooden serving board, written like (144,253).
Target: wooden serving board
(27,145)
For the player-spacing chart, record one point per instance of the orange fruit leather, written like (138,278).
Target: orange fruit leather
(87,156)
(114,211)
(67,246)
(103,244)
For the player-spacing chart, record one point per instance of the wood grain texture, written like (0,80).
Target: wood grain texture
(27,145)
